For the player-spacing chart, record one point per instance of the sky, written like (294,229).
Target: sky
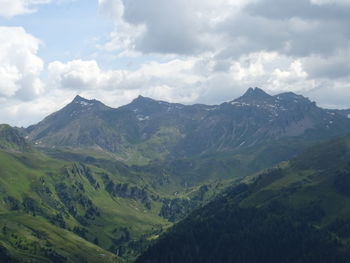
(185,51)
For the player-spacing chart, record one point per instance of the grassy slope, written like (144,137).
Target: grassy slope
(31,184)
(312,191)
(312,177)
(24,175)
(32,238)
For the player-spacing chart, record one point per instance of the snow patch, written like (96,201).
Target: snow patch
(84,103)
(142,118)
(240,104)
(211,109)
(242,143)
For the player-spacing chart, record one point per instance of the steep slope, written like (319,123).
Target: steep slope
(147,129)
(298,212)
(26,238)
(77,211)
(80,124)
(10,139)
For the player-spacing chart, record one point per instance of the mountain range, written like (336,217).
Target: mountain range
(108,183)
(147,129)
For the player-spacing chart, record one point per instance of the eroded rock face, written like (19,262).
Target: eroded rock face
(124,190)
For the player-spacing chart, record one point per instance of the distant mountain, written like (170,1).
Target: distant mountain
(10,139)
(257,118)
(298,212)
(149,129)
(81,123)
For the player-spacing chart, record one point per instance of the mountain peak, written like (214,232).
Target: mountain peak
(78,99)
(141,98)
(255,93)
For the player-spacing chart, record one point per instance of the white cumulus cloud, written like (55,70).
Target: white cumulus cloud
(20,66)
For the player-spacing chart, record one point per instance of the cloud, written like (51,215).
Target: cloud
(233,27)
(149,79)
(75,75)
(168,27)
(20,67)
(294,28)
(332,68)
(10,8)
(332,94)
(186,80)
(114,10)
(308,30)
(325,10)
(330,2)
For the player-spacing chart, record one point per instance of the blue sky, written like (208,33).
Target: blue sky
(198,51)
(68,30)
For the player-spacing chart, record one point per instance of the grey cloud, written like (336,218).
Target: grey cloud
(332,68)
(329,95)
(170,27)
(293,37)
(222,65)
(250,34)
(296,28)
(286,9)
(325,26)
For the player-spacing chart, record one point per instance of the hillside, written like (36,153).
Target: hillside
(298,212)
(99,205)
(10,139)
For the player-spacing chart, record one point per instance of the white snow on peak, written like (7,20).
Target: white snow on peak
(211,109)
(240,104)
(84,103)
